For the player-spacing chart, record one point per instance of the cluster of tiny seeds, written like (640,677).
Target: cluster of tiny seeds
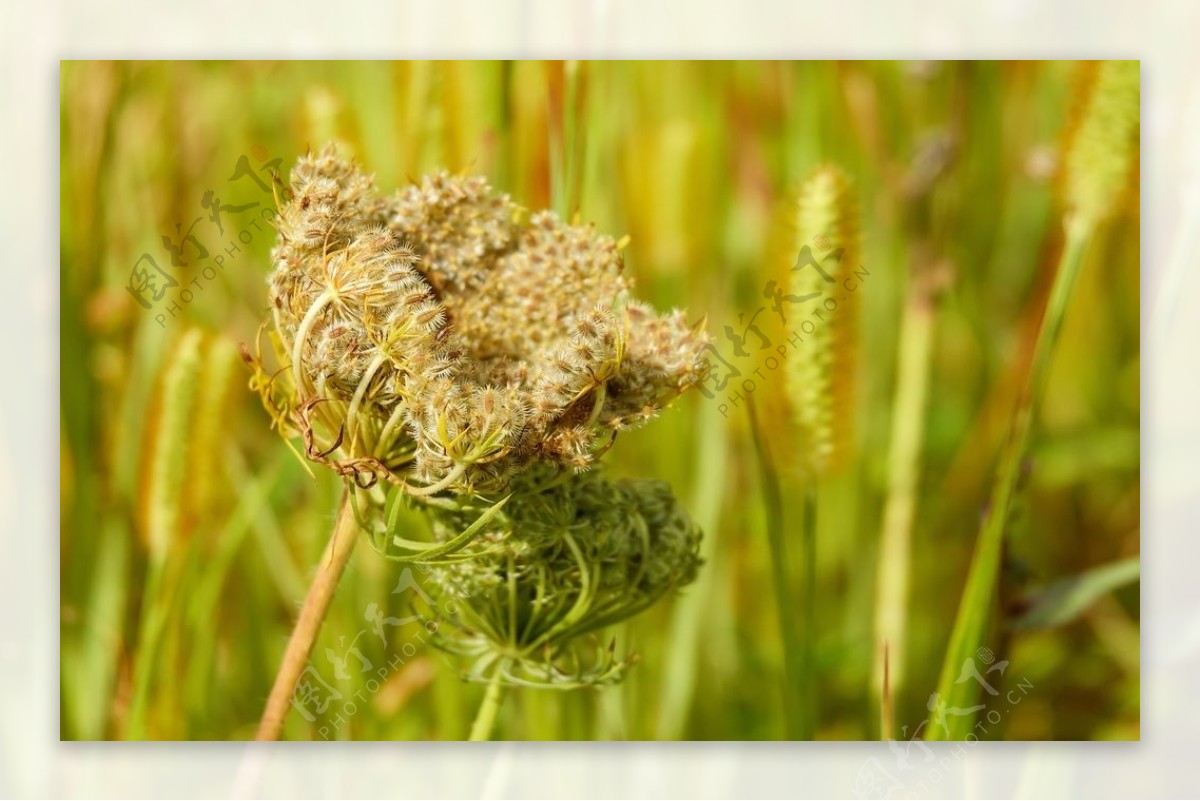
(460,225)
(536,292)
(352,313)
(331,203)
(661,361)
(494,343)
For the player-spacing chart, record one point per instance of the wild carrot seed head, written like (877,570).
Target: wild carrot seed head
(447,288)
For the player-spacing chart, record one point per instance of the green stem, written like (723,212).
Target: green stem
(485,720)
(808,603)
(780,564)
(155,609)
(564,155)
(979,594)
(432,489)
(892,578)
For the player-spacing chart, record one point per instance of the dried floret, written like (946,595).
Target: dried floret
(400,319)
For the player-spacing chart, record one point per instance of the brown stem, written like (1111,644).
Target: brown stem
(312,614)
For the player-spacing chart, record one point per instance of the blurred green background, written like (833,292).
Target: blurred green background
(172,625)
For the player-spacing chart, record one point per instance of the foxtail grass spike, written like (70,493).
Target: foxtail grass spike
(164,520)
(215,395)
(169,447)
(821,372)
(1100,153)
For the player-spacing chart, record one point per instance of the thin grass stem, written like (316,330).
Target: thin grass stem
(312,614)
(784,604)
(485,720)
(978,596)
(808,605)
(895,542)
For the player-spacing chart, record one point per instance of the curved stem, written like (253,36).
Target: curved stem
(979,594)
(598,403)
(385,438)
(302,334)
(359,392)
(450,478)
(485,720)
(312,614)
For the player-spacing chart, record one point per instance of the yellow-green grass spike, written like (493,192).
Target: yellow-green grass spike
(214,398)
(820,375)
(1100,153)
(213,393)
(165,466)
(821,372)
(164,478)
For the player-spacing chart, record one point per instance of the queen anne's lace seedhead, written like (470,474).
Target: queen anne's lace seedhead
(448,342)
(441,339)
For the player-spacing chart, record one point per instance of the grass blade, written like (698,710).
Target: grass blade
(784,605)
(979,595)
(1064,600)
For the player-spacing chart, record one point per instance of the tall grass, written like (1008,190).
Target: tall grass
(1100,159)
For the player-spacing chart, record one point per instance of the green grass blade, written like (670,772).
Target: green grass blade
(979,595)
(784,604)
(1064,600)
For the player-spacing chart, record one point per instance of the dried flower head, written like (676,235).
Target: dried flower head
(557,565)
(440,339)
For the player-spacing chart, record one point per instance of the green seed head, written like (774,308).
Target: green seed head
(557,565)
